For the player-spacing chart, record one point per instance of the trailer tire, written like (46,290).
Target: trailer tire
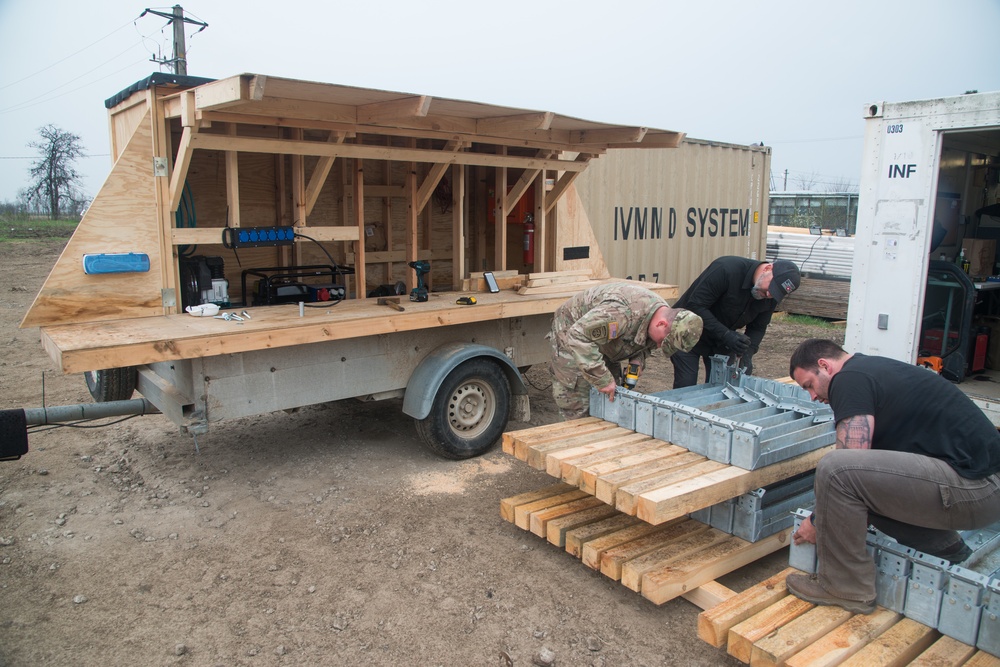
(112,384)
(469,412)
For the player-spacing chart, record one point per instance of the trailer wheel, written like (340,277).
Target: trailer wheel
(469,412)
(112,384)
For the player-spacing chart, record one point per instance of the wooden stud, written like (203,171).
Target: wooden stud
(743,635)
(538,521)
(714,623)
(232,182)
(895,647)
(576,538)
(945,652)
(556,529)
(846,640)
(792,637)
(458,226)
(522,513)
(360,278)
(508,505)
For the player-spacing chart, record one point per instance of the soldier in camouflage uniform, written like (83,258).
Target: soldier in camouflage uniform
(599,328)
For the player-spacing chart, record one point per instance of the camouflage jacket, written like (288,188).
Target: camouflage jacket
(610,320)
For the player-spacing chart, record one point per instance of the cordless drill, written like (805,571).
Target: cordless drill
(631,376)
(419,293)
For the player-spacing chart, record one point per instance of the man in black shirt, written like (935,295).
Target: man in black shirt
(915,458)
(732,293)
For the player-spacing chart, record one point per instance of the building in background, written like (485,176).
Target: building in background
(830,211)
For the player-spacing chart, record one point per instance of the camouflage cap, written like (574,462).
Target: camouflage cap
(685,331)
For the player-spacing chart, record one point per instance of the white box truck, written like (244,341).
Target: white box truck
(930,195)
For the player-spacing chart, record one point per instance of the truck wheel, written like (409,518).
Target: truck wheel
(469,412)
(112,384)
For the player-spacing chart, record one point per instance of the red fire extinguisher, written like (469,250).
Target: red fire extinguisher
(529,239)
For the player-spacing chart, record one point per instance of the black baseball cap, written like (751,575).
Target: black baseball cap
(784,279)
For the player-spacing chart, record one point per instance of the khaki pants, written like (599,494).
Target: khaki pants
(917,500)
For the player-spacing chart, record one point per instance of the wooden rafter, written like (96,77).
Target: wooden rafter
(394,110)
(315,148)
(500,125)
(435,175)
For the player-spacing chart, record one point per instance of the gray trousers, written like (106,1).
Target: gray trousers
(917,500)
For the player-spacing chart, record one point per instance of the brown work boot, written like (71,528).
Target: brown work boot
(807,587)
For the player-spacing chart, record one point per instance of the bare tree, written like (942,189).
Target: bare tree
(807,181)
(842,185)
(54,179)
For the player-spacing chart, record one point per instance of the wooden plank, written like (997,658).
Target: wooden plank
(508,505)
(562,288)
(607,485)
(709,594)
(665,583)
(534,454)
(522,513)
(569,468)
(792,637)
(627,496)
(682,536)
(945,652)
(895,647)
(846,640)
(591,473)
(538,521)
(982,659)
(548,456)
(556,529)
(592,550)
(541,275)
(576,538)
(714,623)
(743,635)
(630,570)
(510,437)
(691,495)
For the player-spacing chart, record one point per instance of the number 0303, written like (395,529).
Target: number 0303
(895,129)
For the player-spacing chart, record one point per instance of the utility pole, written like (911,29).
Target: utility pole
(177,21)
(785,188)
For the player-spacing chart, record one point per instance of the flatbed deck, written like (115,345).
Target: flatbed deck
(136,341)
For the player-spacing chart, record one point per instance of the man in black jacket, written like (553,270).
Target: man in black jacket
(732,293)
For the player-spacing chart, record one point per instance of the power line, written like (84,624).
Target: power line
(25,78)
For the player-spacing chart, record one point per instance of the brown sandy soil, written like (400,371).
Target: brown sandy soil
(324,537)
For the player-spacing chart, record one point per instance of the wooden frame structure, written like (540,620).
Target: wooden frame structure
(368,179)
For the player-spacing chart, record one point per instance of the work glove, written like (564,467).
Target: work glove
(746,364)
(736,342)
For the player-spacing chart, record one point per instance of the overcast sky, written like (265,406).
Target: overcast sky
(792,74)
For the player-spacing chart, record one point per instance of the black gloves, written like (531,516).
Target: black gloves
(746,363)
(736,342)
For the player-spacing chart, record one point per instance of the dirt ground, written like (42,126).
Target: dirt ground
(324,537)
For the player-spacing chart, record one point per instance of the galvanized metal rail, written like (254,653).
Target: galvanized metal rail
(742,420)
(957,600)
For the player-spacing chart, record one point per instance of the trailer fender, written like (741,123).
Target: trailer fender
(427,378)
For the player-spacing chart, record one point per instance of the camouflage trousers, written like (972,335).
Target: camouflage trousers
(570,389)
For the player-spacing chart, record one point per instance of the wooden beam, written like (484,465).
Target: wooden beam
(654,140)
(500,214)
(500,125)
(434,176)
(457,225)
(181,165)
(223,93)
(412,218)
(743,635)
(618,135)
(542,259)
(360,282)
(552,197)
(789,639)
(294,147)
(189,117)
(835,647)
(321,172)
(714,624)
(404,108)
(232,182)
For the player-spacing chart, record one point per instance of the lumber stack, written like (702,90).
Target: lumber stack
(660,562)
(819,298)
(639,475)
(766,626)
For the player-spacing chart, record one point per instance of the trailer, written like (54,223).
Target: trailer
(930,198)
(354,242)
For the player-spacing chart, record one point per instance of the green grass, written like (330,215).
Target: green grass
(35,230)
